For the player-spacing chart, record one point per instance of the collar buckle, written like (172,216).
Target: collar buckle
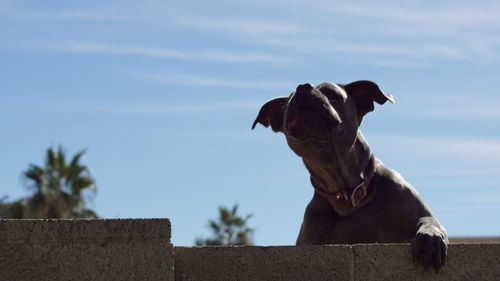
(348,200)
(358,194)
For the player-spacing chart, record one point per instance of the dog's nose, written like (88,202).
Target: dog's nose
(304,88)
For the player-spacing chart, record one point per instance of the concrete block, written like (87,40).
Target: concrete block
(117,249)
(394,262)
(475,240)
(331,262)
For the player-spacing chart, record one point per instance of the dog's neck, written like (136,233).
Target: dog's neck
(336,170)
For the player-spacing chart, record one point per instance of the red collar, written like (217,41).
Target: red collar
(346,200)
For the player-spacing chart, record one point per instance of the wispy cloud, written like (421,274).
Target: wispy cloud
(243,134)
(378,34)
(432,163)
(463,32)
(442,16)
(390,62)
(467,106)
(134,109)
(14,9)
(379,50)
(168,53)
(458,149)
(474,112)
(206,81)
(388,34)
(88,15)
(240,26)
(180,108)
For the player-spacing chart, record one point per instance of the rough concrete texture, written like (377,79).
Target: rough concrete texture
(475,240)
(368,262)
(118,249)
(394,262)
(263,263)
(140,249)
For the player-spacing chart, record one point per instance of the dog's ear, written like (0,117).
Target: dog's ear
(271,113)
(365,93)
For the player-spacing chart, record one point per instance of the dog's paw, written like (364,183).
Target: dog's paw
(430,244)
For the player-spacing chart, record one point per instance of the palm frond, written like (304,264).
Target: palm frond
(229,229)
(58,187)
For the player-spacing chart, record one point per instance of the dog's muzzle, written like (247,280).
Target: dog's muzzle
(304,99)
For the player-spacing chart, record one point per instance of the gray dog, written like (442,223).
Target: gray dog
(357,199)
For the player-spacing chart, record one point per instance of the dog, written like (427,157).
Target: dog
(357,199)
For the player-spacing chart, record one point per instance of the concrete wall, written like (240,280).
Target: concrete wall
(141,250)
(85,250)
(333,262)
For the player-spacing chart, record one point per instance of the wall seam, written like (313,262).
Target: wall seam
(351,263)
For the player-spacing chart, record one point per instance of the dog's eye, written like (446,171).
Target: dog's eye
(331,94)
(335,97)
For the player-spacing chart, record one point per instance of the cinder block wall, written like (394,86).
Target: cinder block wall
(140,249)
(128,249)
(333,262)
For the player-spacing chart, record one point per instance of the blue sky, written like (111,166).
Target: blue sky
(163,94)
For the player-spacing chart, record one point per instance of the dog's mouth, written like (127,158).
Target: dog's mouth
(309,116)
(307,124)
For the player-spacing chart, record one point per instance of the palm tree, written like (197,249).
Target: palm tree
(230,229)
(11,210)
(59,187)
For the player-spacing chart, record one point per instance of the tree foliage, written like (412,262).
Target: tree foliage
(59,189)
(229,229)
(11,210)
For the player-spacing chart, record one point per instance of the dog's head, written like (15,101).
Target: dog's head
(328,113)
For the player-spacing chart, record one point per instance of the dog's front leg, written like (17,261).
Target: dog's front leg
(430,243)
(318,224)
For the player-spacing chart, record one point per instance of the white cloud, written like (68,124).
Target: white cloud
(386,33)
(101,48)
(85,15)
(442,162)
(391,62)
(244,134)
(464,112)
(240,26)
(182,108)
(446,180)
(332,45)
(206,81)
(446,16)
(209,55)
(458,167)
(12,9)
(468,106)
(62,107)
(486,151)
